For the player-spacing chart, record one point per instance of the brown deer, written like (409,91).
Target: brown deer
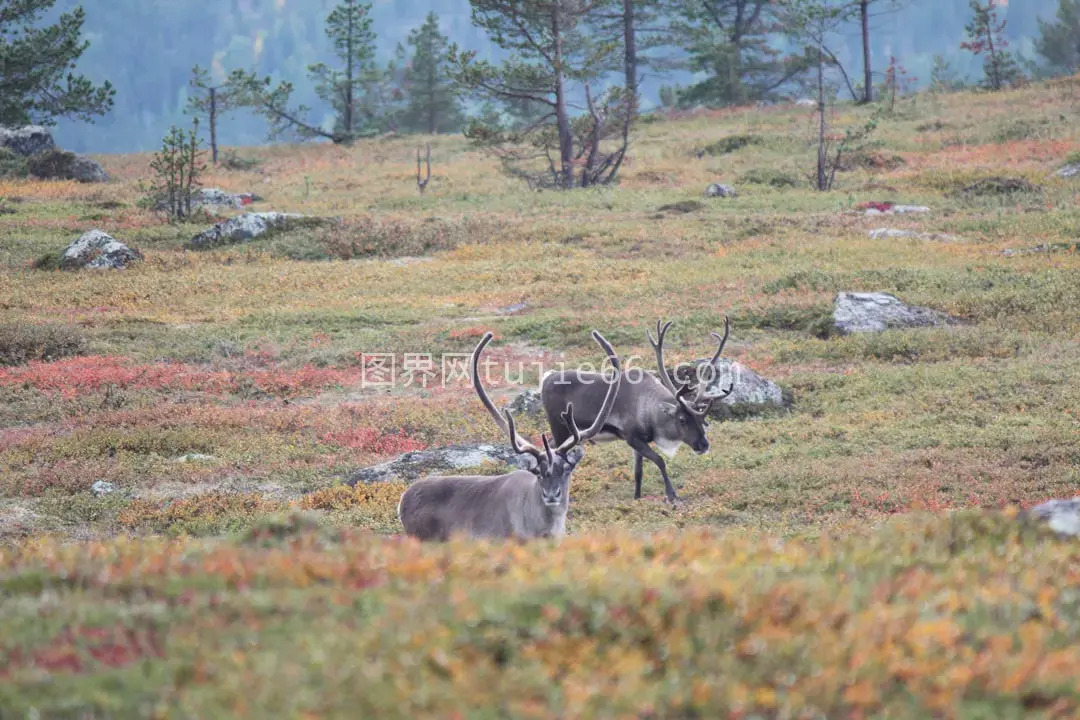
(650,409)
(521,503)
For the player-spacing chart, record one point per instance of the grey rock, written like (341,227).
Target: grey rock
(512,309)
(896,233)
(898,210)
(85,170)
(718,190)
(194,457)
(1042,248)
(218,197)
(1061,516)
(1069,171)
(527,403)
(855,312)
(27,140)
(244,228)
(452,459)
(215,197)
(102,487)
(806,102)
(751,393)
(56,164)
(98,250)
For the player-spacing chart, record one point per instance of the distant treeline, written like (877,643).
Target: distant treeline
(147,49)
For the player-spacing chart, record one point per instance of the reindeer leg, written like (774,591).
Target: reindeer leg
(637,474)
(643,449)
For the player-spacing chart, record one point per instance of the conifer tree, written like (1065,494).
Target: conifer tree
(38,82)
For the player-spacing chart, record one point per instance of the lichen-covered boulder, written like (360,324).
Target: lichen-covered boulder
(1061,516)
(446,460)
(855,312)
(244,228)
(216,197)
(751,393)
(98,250)
(527,403)
(1069,171)
(27,140)
(716,190)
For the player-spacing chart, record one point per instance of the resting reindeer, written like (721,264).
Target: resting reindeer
(519,504)
(649,410)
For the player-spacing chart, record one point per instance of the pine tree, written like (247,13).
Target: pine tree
(37,78)
(353,91)
(730,41)
(433,102)
(349,29)
(209,100)
(554,50)
(1059,41)
(986,37)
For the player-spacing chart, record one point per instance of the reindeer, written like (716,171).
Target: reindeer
(518,504)
(649,410)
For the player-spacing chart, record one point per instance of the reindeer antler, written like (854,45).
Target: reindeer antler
(520,444)
(695,406)
(658,348)
(577,435)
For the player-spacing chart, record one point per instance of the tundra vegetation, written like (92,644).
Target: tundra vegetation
(858,555)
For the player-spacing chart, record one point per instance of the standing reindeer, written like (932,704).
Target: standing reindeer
(518,504)
(649,410)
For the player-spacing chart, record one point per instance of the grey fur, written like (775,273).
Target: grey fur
(518,504)
(647,410)
(503,506)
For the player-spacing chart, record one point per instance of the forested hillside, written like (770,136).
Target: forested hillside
(147,48)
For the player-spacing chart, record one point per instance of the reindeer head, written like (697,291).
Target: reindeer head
(553,465)
(687,419)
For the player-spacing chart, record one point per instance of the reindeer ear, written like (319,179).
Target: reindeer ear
(574,455)
(670,410)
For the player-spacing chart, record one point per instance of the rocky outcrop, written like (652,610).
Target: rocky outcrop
(453,459)
(855,312)
(26,141)
(246,227)
(98,250)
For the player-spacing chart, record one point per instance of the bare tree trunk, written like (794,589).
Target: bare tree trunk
(348,119)
(562,114)
(822,179)
(213,124)
(432,125)
(630,60)
(735,64)
(868,76)
(995,76)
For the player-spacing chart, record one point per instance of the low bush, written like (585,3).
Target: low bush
(12,165)
(21,343)
(769,176)
(728,145)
